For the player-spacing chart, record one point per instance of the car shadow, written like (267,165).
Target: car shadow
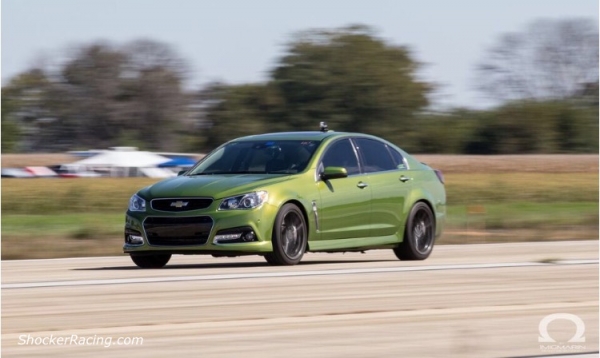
(223,265)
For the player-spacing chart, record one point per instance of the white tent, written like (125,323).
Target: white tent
(119,162)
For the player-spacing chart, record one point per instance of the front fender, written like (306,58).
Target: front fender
(302,199)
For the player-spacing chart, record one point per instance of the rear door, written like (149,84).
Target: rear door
(386,176)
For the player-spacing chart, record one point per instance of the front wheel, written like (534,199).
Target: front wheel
(151,261)
(419,234)
(290,236)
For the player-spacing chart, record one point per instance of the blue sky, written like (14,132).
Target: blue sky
(239,41)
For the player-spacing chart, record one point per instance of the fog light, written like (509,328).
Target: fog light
(227,237)
(135,240)
(235,235)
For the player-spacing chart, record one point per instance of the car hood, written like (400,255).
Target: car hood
(215,186)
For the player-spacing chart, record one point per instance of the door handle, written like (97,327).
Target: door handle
(404,179)
(362,185)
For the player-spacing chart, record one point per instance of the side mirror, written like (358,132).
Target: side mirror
(181,172)
(334,173)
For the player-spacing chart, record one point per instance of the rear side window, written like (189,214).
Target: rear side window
(398,159)
(341,154)
(375,155)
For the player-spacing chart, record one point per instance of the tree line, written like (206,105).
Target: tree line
(545,77)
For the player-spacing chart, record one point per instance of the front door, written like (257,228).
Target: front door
(344,209)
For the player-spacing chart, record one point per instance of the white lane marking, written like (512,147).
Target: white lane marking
(566,355)
(286,274)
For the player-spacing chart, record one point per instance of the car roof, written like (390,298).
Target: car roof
(319,136)
(308,135)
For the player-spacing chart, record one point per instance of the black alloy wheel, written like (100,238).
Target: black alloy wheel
(419,235)
(290,236)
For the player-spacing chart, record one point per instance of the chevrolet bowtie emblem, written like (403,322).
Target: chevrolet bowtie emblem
(179,204)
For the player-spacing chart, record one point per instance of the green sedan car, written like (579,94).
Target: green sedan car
(281,195)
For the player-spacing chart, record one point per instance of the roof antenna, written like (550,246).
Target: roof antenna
(323,127)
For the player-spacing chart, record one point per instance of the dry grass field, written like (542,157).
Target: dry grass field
(492,164)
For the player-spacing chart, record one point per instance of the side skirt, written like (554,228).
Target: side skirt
(355,244)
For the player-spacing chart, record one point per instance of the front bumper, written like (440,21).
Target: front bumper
(177,235)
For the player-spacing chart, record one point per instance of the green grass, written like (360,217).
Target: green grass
(62,235)
(521,221)
(79,226)
(525,215)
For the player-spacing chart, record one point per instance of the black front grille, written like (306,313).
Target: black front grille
(178,231)
(180,204)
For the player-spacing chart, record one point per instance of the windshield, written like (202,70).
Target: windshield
(258,157)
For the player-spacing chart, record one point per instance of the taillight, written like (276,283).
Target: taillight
(439,175)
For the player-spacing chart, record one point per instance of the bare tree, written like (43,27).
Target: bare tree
(551,59)
(154,80)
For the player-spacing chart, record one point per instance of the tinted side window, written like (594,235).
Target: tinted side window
(341,154)
(375,155)
(399,161)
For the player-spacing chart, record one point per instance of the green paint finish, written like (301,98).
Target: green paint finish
(365,205)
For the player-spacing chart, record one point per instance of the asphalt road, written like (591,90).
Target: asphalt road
(464,301)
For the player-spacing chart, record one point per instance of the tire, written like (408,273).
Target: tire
(290,236)
(419,234)
(151,261)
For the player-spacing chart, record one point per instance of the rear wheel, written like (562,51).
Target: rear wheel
(419,234)
(151,261)
(290,236)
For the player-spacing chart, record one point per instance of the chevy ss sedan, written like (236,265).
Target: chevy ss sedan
(281,195)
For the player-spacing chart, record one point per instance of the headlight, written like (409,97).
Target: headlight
(246,201)
(137,204)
